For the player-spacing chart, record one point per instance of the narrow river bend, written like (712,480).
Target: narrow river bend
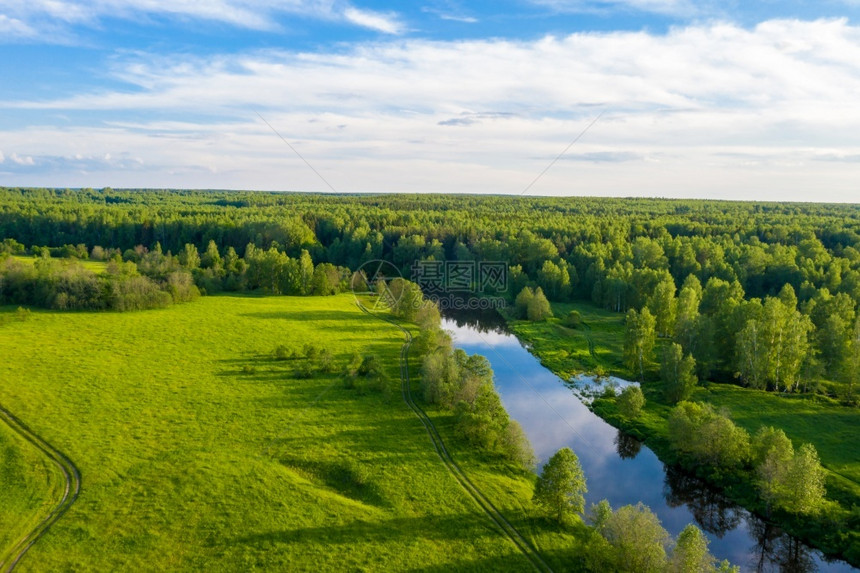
(619,468)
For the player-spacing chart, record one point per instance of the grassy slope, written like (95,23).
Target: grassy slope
(832,428)
(189,462)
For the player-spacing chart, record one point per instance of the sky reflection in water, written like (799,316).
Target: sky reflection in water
(553,417)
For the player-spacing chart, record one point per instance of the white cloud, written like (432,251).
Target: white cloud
(378,21)
(14,28)
(710,110)
(2,157)
(253,14)
(26,160)
(668,7)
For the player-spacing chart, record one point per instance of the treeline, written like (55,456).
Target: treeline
(772,344)
(619,253)
(51,283)
(141,278)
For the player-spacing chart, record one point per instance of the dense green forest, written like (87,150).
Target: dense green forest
(730,281)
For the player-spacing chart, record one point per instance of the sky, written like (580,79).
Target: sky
(731,99)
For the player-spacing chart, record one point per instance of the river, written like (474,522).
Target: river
(619,468)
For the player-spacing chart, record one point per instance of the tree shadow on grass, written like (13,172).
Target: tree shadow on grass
(312,316)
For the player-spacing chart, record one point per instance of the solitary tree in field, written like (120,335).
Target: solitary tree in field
(639,339)
(561,486)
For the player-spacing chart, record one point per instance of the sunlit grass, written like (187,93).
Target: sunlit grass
(97,267)
(198,451)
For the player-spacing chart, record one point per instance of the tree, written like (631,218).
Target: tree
(852,363)
(687,314)
(804,483)
(751,362)
(539,308)
(639,340)
(707,436)
(561,486)
(189,257)
(664,305)
(517,446)
(305,273)
(639,539)
(555,280)
(772,454)
(678,373)
(630,401)
(211,259)
(691,554)
(522,301)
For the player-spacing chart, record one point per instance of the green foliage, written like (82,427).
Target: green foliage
(639,340)
(772,349)
(707,436)
(522,302)
(283,352)
(631,401)
(788,480)
(690,554)
(538,307)
(678,373)
(573,319)
(638,539)
(561,487)
(637,542)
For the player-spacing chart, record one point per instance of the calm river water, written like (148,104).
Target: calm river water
(619,468)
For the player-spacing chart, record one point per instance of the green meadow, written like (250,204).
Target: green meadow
(199,451)
(29,484)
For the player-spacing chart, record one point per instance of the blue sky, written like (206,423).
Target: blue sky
(731,99)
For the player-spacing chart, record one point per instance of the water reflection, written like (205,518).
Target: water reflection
(627,446)
(774,550)
(714,513)
(617,466)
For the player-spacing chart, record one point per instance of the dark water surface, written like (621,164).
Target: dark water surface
(619,468)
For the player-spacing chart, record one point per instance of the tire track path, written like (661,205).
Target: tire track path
(525,547)
(71,476)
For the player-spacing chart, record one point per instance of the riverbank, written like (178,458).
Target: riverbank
(595,347)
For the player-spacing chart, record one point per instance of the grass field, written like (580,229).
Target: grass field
(595,346)
(97,267)
(832,428)
(28,484)
(198,451)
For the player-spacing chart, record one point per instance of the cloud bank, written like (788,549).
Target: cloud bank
(768,112)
